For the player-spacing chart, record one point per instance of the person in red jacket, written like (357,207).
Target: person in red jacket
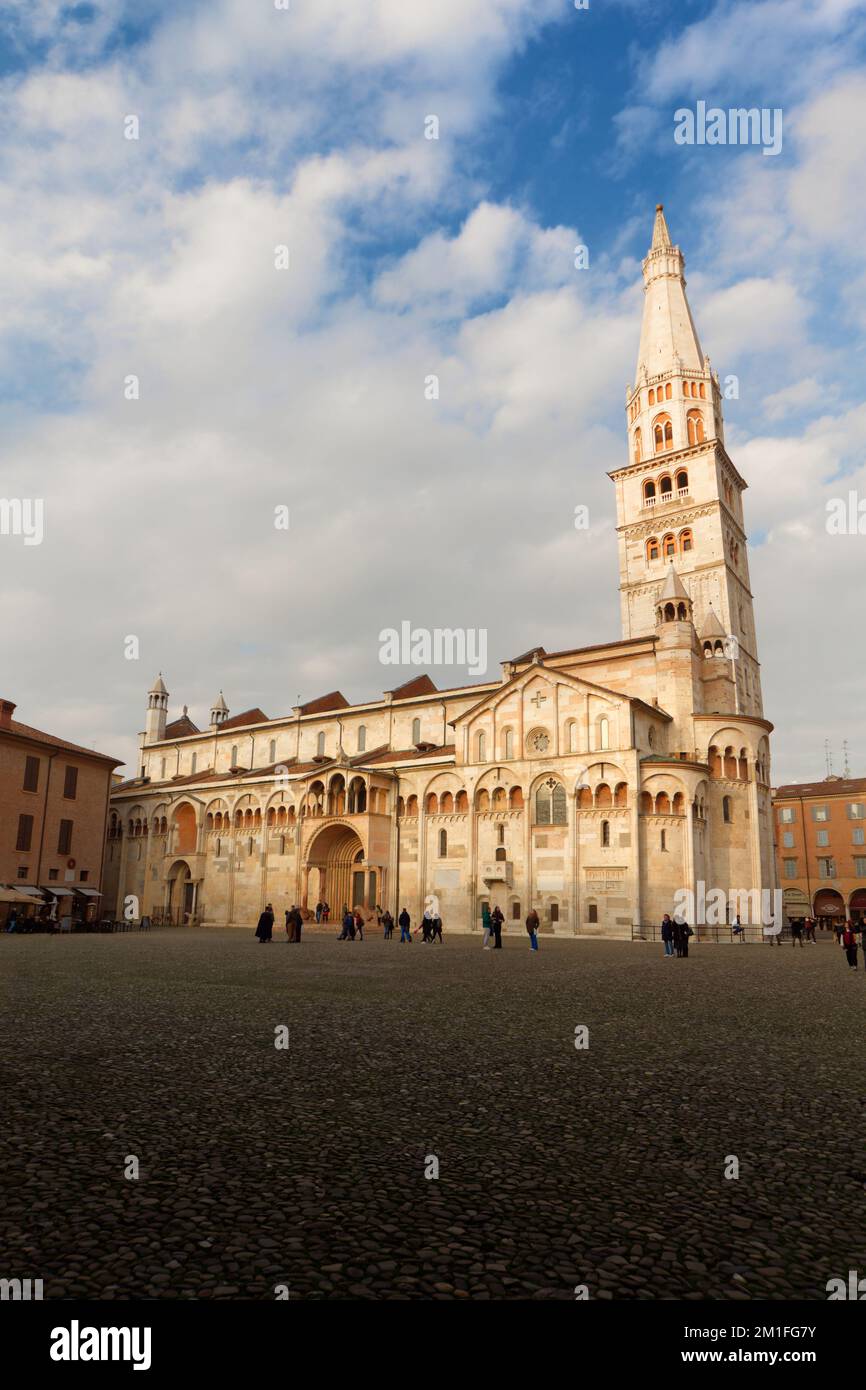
(849,944)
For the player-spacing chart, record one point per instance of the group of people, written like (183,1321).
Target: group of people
(323,912)
(675,933)
(294,923)
(352,925)
(492,924)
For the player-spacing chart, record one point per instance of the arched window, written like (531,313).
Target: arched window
(192,763)
(727,815)
(663,434)
(682,481)
(508,743)
(446,802)
(234,761)
(652,548)
(462,802)
(668,391)
(416,730)
(649,492)
(604,732)
(663,841)
(443,844)
(695,423)
(703,390)
(686,541)
(652,395)
(432,803)
(362,738)
(571,736)
(605,833)
(320,746)
(666,488)
(637,446)
(669,546)
(550,804)
(480,746)
(272,751)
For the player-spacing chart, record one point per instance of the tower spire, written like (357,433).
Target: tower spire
(669,340)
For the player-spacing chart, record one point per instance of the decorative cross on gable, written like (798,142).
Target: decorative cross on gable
(538,699)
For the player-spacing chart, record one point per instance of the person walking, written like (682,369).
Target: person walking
(849,944)
(359,926)
(326,912)
(810,930)
(348,926)
(388,924)
(532,925)
(668,934)
(297,924)
(318,912)
(405,923)
(290,926)
(265,928)
(427,925)
(485,926)
(436,929)
(796,932)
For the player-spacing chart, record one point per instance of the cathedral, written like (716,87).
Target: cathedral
(593,784)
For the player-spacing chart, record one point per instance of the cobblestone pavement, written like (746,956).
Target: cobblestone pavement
(306,1167)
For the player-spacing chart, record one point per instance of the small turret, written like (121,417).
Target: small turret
(157,711)
(219,711)
(673,604)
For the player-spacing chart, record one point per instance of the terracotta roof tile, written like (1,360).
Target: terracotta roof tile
(180,728)
(418,685)
(334,700)
(37,736)
(249,716)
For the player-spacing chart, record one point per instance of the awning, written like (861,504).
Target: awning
(31,893)
(88,892)
(14,895)
(58,891)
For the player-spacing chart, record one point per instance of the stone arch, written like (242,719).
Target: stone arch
(185,826)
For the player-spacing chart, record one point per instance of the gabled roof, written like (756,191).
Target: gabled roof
(37,736)
(553,675)
(418,685)
(180,728)
(334,700)
(528,656)
(249,716)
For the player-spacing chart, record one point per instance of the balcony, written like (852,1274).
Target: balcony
(498,871)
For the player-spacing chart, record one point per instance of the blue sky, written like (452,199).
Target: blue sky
(155,257)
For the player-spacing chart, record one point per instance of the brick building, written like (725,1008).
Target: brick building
(53,812)
(820,830)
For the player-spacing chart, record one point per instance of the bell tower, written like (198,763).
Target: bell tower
(679,499)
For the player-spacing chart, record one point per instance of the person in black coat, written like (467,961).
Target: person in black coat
(266,925)
(668,935)
(496,920)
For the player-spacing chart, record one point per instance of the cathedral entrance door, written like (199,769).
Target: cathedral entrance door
(334,851)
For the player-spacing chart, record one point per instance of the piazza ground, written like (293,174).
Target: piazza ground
(306,1167)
